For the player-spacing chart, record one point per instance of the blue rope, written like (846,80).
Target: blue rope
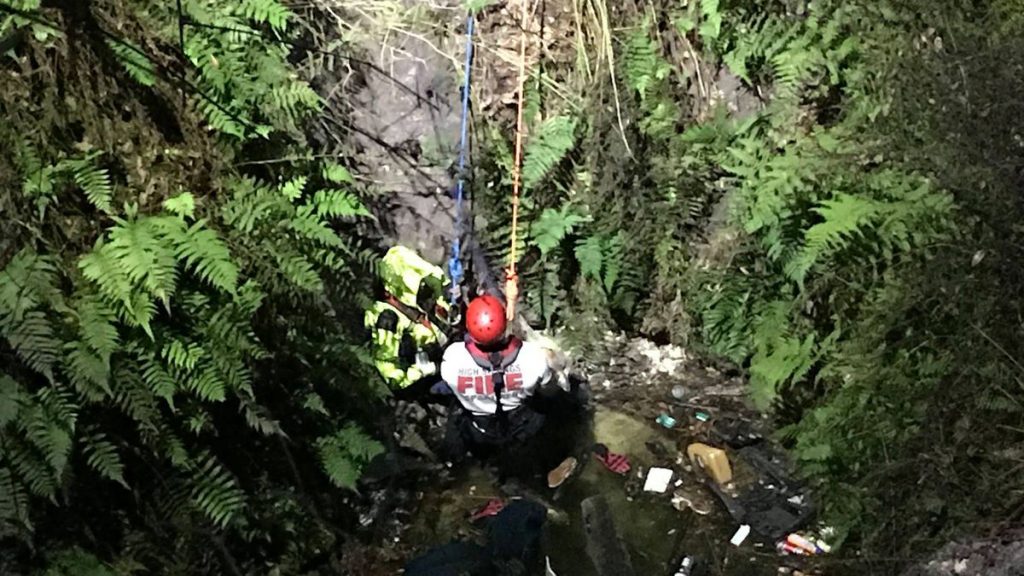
(455,270)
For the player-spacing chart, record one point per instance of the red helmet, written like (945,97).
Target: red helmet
(485,320)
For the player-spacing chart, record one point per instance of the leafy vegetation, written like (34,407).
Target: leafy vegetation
(814,192)
(166,371)
(824,194)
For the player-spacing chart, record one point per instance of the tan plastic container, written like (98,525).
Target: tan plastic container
(711,460)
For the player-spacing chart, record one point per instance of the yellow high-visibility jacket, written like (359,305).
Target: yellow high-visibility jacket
(402,271)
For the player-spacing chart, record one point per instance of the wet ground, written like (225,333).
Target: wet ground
(629,383)
(655,533)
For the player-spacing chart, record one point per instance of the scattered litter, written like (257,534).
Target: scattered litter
(560,474)
(548,571)
(678,392)
(740,535)
(802,543)
(681,500)
(736,432)
(666,420)
(712,460)
(491,508)
(787,548)
(657,480)
(685,567)
(617,463)
(678,483)
(703,416)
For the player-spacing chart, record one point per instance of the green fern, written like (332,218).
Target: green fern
(34,341)
(96,326)
(93,180)
(135,62)
(181,355)
(334,203)
(345,453)
(711,27)
(266,11)
(207,384)
(547,147)
(88,372)
(183,205)
(32,469)
(336,173)
(309,225)
(201,249)
(844,216)
(101,455)
(215,492)
(553,225)
(14,504)
(642,65)
(158,379)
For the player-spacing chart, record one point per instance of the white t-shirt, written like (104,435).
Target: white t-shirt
(474,388)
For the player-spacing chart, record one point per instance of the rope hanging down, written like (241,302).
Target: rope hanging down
(455,270)
(511,278)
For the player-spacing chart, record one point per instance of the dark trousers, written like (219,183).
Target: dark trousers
(537,437)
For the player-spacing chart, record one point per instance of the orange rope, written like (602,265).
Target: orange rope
(511,278)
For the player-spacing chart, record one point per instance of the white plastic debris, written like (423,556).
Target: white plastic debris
(548,571)
(657,480)
(740,535)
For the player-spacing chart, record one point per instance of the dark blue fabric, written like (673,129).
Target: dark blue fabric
(515,533)
(452,559)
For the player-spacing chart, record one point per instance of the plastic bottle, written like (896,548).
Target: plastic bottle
(685,567)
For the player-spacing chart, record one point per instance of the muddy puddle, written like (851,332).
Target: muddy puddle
(655,533)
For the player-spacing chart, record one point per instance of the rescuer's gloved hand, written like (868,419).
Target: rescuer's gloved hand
(407,349)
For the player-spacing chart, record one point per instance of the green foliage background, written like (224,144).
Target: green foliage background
(171,396)
(172,400)
(851,239)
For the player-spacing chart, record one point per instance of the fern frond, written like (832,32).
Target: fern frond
(843,216)
(256,417)
(33,340)
(553,225)
(182,355)
(101,455)
(93,180)
(334,203)
(135,62)
(204,251)
(207,384)
(589,254)
(215,492)
(308,225)
(336,173)
(140,250)
(27,281)
(292,189)
(157,379)
(12,395)
(135,400)
(96,325)
(555,137)
(344,453)
(14,502)
(297,269)
(31,468)
(88,372)
(48,435)
(266,12)
(295,99)
(183,205)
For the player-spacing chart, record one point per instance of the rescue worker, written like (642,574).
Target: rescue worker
(494,377)
(408,325)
